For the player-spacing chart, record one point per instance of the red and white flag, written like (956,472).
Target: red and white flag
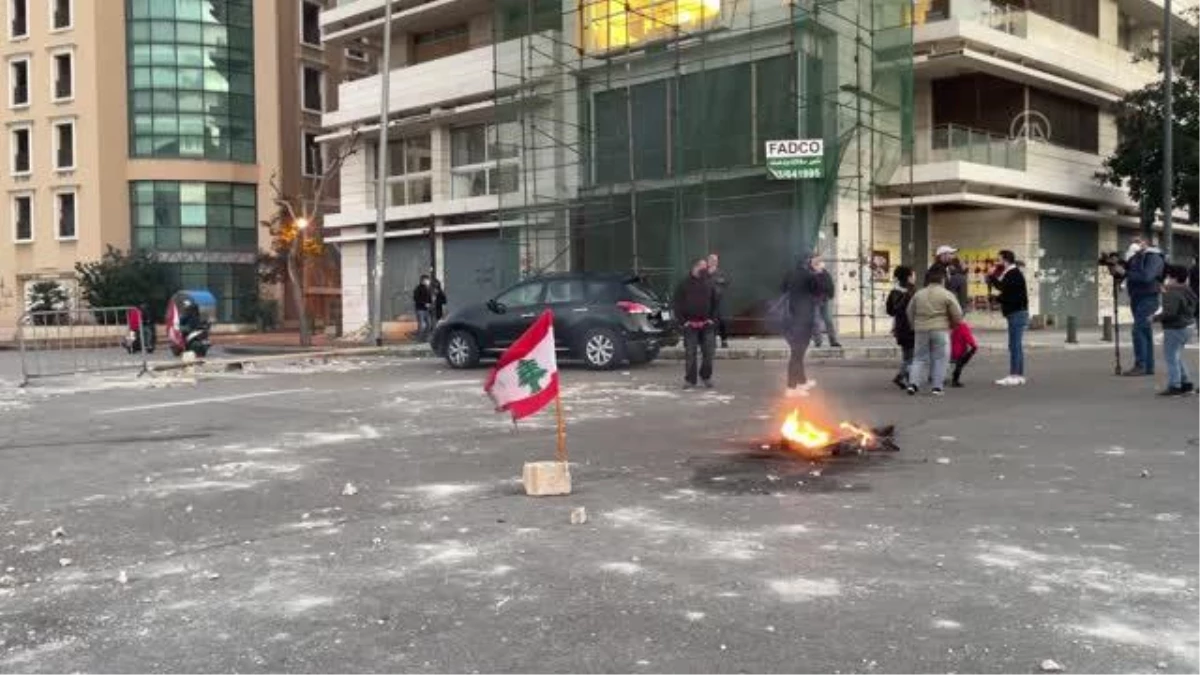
(525,378)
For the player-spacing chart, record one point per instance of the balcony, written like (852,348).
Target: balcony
(953,143)
(352,19)
(444,83)
(981,29)
(947,157)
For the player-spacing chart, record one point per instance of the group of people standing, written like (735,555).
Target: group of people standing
(1163,293)
(930,325)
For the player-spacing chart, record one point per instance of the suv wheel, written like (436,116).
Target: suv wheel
(461,350)
(602,349)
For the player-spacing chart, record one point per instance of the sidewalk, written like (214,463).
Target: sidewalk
(871,347)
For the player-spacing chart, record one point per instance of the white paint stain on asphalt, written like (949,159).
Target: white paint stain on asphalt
(799,589)
(720,544)
(1164,638)
(947,624)
(201,401)
(444,491)
(626,568)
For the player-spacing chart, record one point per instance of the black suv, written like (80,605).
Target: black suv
(603,319)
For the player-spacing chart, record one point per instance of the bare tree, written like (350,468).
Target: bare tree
(292,240)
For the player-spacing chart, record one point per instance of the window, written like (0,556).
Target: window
(64,76)
(191,79)
(62,15)
(483,160)
(312,83)
(22,215)
(313,164)
(64,145)
(521,296)
(21,139)
(310,23)
(564,291)
(410,171)
(188,216)
(18,82)
(440,43)
(612,24)
(18,12)
(64,210)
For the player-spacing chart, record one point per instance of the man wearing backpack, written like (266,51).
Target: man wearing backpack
(1144,270)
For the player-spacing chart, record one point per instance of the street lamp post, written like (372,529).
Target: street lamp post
(385,77)
(1168,179)
(298,280)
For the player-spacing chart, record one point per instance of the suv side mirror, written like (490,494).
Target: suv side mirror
(495,306)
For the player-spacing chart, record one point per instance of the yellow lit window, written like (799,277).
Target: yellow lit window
(607,24)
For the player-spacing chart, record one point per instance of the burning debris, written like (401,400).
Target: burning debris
(812,441)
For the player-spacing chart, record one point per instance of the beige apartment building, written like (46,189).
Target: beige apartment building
(153,125)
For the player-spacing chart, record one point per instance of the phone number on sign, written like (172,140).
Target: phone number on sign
(797,173)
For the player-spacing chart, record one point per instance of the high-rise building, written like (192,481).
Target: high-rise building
(535,135)
(153,125)
(1015,112)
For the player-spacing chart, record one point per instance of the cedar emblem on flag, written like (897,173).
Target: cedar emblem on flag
(525,378)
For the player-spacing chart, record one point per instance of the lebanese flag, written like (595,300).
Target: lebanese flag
(525,378)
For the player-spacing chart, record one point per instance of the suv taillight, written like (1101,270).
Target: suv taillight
(630,307)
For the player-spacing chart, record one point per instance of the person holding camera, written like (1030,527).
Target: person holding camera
(1143,270)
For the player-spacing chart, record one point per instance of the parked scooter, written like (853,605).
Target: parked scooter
(141,331)
(189,321)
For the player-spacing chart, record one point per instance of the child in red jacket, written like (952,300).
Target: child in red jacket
(962,347)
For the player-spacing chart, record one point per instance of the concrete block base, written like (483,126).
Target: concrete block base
(546,478)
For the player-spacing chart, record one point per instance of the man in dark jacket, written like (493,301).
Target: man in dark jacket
(1144,268)
(1009,280)
(902,329)
(1177,315)
(823,291)
(720,281)
(799,287)
(422,306)
(955,274)
(1194,280)
(695,306)
(438,292)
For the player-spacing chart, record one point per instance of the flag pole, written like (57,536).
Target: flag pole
(560,452)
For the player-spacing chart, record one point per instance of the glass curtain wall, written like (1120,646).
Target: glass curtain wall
(191,79)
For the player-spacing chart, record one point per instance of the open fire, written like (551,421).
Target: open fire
(809,439)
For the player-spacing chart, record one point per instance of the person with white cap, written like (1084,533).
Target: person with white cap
(955,275)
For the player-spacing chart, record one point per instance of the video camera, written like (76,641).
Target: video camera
(1112,260)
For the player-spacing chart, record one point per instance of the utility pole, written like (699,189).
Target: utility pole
(385,72)
(1168,182)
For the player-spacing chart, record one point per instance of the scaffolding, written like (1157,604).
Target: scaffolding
(641,128)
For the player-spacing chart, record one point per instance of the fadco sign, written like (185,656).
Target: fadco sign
(792,160)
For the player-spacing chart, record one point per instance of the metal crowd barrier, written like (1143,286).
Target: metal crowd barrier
(55,343)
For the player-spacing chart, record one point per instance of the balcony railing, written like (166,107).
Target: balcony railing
(953,143)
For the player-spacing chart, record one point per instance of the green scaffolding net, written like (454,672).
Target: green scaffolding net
(641,135)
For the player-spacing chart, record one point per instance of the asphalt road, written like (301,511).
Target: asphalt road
(206,527)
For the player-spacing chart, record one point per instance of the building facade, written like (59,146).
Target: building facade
(536,135)
(1015,108)
(154,125)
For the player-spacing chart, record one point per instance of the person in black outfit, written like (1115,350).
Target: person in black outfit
(695,305)
(720,282)
(438,292)
(422,305)
(1194,282)
(897,308)
(955,274)
(800,287)
(823,291)
(1009,280)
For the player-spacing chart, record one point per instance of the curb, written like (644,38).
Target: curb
(252,354)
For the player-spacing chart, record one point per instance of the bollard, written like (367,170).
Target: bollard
(1106,330)
(1072,330)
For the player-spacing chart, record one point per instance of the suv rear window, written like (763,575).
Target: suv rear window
(640,293)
